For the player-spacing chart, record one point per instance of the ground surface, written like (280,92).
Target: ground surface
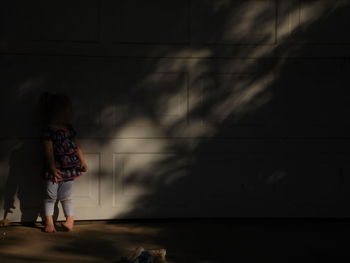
(197,241)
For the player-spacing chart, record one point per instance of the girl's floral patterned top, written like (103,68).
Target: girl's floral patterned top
(64,150)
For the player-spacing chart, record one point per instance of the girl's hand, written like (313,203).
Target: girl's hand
(83,166)
(56,174)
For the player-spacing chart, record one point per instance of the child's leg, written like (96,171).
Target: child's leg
(49,205)
(65,196)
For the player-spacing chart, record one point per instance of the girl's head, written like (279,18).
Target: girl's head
(57,108)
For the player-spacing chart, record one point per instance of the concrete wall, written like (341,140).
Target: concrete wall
(185,108)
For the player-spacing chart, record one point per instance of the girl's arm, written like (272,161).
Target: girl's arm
(81,155)
(48,148)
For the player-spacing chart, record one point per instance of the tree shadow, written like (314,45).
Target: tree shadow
(272,155)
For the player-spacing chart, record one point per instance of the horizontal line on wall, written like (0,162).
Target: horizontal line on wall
(151,43)
(296,42)
(187,44)
(194,138)
(156,57)
(60,41)
(240,219)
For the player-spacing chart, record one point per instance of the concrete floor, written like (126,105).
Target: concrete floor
(190,240)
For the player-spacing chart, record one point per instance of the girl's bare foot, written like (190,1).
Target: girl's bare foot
(50,228)
(68,225)
(49,225)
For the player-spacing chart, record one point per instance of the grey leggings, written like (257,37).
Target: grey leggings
(62,191)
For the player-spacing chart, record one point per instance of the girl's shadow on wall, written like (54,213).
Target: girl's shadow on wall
(25,181)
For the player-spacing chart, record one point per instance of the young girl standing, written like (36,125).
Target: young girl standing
(64,158)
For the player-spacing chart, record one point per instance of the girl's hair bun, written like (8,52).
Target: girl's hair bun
(44,102)
(45,97)
(51,103)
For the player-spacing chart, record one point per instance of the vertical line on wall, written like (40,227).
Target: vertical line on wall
(113,181)
(189,40)
(99,179)
(276,20)
(187,98)
(99,21)
(299,12)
